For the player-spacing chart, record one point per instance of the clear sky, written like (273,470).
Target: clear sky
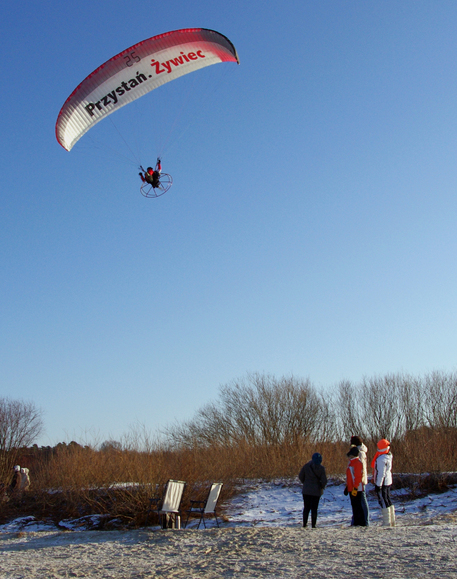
(310,230)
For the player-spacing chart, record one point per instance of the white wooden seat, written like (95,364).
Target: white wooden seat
(207,507)
(168,507)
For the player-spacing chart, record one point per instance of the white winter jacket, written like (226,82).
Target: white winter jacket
(363,457)
(25,479)
(382,474)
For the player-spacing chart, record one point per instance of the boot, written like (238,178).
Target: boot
(385,518)
(391,510)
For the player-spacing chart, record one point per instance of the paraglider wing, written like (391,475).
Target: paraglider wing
(137,71)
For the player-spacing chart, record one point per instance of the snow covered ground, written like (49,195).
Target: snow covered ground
(279,503)
(261,537)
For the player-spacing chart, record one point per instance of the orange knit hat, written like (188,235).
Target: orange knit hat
(383,448)
(383,444)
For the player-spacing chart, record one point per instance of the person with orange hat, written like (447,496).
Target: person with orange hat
(355,487)
(382,480)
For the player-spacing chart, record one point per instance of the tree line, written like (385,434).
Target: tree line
(418,414)
(263,410)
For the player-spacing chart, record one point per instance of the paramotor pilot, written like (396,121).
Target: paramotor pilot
(152,176)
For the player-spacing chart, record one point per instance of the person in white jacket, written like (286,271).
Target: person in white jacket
(25,479)
(357,442)
(382,480)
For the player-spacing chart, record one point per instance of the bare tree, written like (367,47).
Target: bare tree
(441,400)
(387,406)
(327,427)
(111,446)
(380,407)
(258,410)
(411,398)
(20,424)
(350,417)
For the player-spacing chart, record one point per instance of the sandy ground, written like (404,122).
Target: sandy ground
(422,551)
(261,537)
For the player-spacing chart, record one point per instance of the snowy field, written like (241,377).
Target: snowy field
(261,537)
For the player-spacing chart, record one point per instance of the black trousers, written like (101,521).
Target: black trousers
(311,504)
(357,510)
(383,494)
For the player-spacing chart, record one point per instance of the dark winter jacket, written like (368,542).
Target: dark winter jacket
(313,478)
(16,482)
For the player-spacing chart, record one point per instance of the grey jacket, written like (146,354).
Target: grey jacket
(313,478)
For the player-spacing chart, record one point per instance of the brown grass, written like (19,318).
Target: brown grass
(77,481)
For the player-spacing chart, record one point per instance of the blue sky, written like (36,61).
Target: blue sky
(310,229)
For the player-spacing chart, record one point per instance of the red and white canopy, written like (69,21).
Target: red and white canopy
(137,71)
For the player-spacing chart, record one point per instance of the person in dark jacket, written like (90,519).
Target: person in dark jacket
(152,176)
(16,480)
(314,480)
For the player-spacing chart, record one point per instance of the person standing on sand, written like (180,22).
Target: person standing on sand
(314,480)
(357,441)
(382,480)
(355,487)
